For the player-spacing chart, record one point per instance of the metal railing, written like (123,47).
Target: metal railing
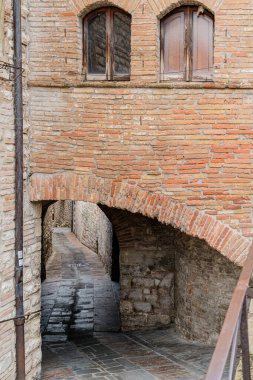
(236,321)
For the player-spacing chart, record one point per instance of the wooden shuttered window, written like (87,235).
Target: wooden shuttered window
(202,43)
(173,42)
(187,45)
(107,45)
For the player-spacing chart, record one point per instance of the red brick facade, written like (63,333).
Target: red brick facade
(187,147)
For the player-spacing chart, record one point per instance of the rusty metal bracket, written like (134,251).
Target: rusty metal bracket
(19,321)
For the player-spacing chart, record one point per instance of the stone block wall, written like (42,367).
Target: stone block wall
(168,276)
(2,26)
(204,283)
(32,288)
(146,273)
(7,250)
(32,216)
(58,214)
(94,230)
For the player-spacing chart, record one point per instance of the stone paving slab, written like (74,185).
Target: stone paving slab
(119,356)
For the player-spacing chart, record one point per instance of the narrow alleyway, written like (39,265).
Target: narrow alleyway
(78,296)
(80,324)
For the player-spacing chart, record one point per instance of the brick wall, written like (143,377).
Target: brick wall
(189,144)
(94,230)
(190,141)
(60,51)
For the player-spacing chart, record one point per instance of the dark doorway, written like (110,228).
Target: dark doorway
(115,274)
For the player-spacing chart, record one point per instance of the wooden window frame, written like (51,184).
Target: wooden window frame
(109,75)
(188,44)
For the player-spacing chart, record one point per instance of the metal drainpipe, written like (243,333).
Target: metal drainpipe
(72,215)
(18,114)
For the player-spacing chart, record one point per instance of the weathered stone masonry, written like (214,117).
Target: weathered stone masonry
(168,276)
(32,217)
(147,269)
(7,363)
(58,214)
(94,230)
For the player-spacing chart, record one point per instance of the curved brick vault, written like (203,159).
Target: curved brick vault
(159,8)
(70,186)
(82,6)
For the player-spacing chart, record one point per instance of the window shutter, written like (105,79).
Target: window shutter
(121,44)
(107,44)
(173,46)
(97,44)
(202,47)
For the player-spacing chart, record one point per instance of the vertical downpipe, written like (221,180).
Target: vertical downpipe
(18,114)
(72,216)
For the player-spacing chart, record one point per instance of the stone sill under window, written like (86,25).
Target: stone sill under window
(133,84)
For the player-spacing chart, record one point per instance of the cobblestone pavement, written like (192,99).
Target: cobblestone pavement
(80,320)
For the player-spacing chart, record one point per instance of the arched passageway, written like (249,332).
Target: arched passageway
(167,279)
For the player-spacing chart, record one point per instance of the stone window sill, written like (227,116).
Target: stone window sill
(135,84)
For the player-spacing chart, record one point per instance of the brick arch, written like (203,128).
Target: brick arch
(161,11)
(117,194)
(82,7)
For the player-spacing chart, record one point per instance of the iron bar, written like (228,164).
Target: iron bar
(18,115)
(245,342)
(27,316)
(233,352)
(221,352)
